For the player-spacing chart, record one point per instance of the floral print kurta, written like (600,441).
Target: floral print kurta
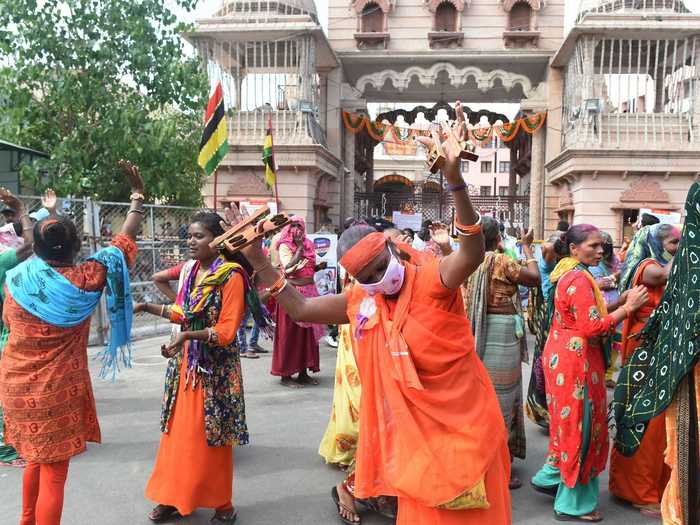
(224,406)
(573,362)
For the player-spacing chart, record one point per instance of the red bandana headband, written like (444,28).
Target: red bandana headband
(363,252)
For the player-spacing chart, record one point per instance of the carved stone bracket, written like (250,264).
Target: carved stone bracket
(485,80)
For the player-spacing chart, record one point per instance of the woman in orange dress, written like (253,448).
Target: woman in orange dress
(431,430)
(45,385)
(203,414)
(641,479)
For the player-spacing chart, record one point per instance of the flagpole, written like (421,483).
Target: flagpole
(216,183)
(272,140)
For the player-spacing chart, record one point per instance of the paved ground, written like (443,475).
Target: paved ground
(279,478)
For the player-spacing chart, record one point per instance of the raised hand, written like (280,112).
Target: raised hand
(11,201)
(133,175)
(449,142)
(439,233)
(49,201)
(527,238)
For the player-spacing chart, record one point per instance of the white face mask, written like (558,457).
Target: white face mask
(391,282)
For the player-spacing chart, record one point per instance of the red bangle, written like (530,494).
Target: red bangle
(276,288)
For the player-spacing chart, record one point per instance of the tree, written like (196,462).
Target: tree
(93,81)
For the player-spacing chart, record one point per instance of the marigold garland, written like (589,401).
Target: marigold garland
(384,132)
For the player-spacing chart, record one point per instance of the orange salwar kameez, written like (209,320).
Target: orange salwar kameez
(432,426)
(188,473)
(641,478)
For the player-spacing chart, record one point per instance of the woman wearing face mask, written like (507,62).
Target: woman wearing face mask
(203,413)
(574,367)
(296,343)
(642,478)
(431,431)
(493,307)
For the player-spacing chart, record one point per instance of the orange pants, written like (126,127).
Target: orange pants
(42,493)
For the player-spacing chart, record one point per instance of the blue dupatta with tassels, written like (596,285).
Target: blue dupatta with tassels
(47,294)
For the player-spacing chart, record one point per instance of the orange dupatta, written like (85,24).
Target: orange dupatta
(430,417)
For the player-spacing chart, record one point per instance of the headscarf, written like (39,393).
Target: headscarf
(366,249)
(611,262)
(670,341)
(646,244)
(287,238)
(9,239)
(194,300)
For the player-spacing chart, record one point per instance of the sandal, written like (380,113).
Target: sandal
(549,491)
(340,506)
(514,483)
(383,505)
(593,517)
(225,518)
(651,511)
(290,383)
(161,513)
(250,355)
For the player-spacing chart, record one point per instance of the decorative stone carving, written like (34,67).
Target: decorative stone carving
(645,190)
(246,184)
(534,4)
(432,5)
(359,5)
(485,80)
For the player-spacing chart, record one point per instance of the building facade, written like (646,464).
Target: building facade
(620,91)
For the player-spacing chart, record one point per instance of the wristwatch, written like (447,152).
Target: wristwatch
(137,196)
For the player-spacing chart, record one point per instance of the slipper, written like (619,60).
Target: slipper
(549,491)
(586,518)
(290,383)
(250,355)
(162,513)
(228,519)
(651,511)
(340,506)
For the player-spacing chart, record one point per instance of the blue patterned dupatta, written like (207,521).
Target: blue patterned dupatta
(47,294)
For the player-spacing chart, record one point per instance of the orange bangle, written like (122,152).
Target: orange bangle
(276,288)
(472,229)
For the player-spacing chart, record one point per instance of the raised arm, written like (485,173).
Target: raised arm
(24,251)
(456,267)
(135,214)
(162,281)
(530,273)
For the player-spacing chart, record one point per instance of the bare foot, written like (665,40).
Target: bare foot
(346,510)
(289,382)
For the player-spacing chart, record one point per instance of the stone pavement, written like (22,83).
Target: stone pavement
(279,479)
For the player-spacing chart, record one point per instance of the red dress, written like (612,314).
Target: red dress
(573,360)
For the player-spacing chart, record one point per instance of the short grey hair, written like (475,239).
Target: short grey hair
(351,237)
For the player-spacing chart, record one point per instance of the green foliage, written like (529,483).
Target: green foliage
(93,81)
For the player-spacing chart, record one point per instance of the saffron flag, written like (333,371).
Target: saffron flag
(214,144)
(269,158)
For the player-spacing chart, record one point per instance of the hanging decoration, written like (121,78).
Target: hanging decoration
(403,135)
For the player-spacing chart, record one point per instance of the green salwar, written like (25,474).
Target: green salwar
(583,498)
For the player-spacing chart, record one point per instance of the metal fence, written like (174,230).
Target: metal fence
(512,210)
(161,242)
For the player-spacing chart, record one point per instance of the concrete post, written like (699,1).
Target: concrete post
(537,183)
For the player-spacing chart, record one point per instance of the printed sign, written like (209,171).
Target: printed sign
(326,245)
(252,206)
(665,216)
(407,220)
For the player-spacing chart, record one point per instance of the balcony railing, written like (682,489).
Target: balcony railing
(641,131)
(631,6)
(288,127)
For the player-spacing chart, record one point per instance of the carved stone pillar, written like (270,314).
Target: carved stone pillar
(537,184)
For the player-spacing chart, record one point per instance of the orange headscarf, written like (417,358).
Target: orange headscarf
(363,252)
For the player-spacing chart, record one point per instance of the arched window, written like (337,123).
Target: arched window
(446,17)
(519,17)
(372,19)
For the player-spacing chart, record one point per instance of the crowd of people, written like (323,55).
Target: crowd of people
(428,411)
